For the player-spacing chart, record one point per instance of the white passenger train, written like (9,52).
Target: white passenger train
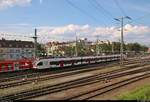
(74,61)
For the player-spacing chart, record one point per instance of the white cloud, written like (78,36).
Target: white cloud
(134,33)
(10,3)
(63,30)
(139,30)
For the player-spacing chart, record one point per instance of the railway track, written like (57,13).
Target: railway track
(48,77)
(99,91)
(35,73)
(29,74)
(136,61)
(71,84)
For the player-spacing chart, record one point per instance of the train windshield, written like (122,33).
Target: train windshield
(40,64)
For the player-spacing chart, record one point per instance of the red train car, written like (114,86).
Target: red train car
(15,65)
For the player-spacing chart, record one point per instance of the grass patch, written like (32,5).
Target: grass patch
(142,93)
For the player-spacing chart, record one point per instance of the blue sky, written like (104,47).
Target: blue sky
(57,18)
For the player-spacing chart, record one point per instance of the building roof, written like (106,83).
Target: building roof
(16,44)
(58,43)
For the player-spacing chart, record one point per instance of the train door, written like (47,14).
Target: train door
(46,64)
(73,62)
(16,66)
(0,67)
(61,64)
(3,67)
(10,67)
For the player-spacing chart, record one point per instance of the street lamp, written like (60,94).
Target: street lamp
(122,40)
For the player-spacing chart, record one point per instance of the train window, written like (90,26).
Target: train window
(46,63)
(40,64)
(3,67)
(16,65)
(54,63)
(9,67)
(78,60)
(67,62)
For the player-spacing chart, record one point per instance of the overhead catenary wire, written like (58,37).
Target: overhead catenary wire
(138,19)
(120,8)
(44,38)
(124,13)
(99,9)
(100,6)
(4,34)
(83,11)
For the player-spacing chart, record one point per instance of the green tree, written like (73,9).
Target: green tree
(41,51)
(136,47)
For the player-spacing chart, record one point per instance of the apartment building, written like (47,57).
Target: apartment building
(12,49)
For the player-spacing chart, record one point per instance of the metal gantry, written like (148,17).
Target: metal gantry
(76,46)
(122,38)
(35,43)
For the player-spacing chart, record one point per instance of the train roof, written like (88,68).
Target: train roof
(60,59)
(10,61)
(75,58)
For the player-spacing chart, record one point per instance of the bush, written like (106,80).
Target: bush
(142,93)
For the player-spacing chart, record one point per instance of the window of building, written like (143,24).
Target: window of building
(1,56)
(26,46)
(23,52)
(10,45)
(1,50)
(3,44)
(11,50)
(27,50)
(17,46)
(17,56)
(30,51)
(11,56)
(17,51)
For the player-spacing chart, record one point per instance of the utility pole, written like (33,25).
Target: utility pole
(76,48)
(112,47)
(97,45)
(122,39)
(35,43)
